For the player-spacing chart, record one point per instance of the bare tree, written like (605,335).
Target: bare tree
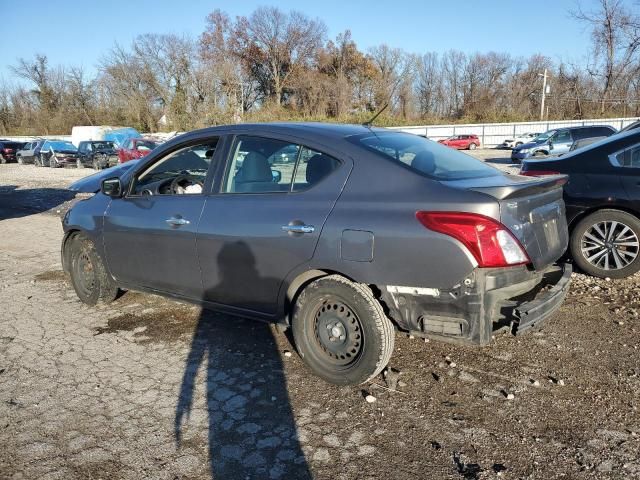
(615,34)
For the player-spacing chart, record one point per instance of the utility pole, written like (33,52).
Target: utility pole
(544,92)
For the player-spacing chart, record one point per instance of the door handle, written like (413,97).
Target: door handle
(177,221)
(298,228)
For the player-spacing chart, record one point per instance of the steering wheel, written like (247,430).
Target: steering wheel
(175,183)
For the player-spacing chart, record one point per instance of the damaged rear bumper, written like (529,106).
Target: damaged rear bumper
(515,299)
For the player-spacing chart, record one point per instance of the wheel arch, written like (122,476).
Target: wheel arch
(298,283)
(591,210)
(66,241)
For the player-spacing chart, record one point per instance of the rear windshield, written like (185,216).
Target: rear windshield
(424,156)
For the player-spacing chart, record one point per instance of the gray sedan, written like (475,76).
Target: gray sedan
(341,232)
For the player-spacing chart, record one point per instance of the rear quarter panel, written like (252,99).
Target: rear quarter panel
(382,198)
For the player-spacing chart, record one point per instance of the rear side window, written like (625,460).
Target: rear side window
(266,165)
(424,156)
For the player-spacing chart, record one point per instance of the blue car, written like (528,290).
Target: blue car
(558,141)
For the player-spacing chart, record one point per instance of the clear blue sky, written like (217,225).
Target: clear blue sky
(75,32)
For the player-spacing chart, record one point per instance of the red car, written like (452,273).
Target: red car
(461,142)
(135,148)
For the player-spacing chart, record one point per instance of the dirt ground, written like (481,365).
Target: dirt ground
(148,388)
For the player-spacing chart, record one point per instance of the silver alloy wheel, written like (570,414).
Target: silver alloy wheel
(610,245)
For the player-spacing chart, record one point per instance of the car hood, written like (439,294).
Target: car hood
(528,145)
(91,184)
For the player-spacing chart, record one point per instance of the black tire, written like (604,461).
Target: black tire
(3,160)
(79,163)
(20,161)
(96,166)
(52,162)
(89,277)
(583,248)
(363,336)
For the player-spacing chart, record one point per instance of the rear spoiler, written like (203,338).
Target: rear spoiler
(540,185)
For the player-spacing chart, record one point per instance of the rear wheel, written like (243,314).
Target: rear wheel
(52,162)
(3,160)
(607,244)
(89,276)
(341,331)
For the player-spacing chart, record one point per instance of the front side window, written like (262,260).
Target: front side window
(180,172)
(424,156)
(562,136)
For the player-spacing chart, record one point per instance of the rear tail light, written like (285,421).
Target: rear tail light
(488,240)
(538,173)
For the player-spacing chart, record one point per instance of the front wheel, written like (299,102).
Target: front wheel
(89,277)
(341,331)
(472,146)
(79,163)
(607,244)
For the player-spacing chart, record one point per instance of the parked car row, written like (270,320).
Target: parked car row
(560,141)
(61,153)
(602,198)
(8,150)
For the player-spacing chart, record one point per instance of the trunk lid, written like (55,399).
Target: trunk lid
(531,208)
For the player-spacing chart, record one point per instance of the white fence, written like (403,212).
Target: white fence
(492,134)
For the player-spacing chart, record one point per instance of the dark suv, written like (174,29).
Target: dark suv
(97,154)
(8,150)
(559,141)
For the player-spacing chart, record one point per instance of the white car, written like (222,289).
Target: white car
(519,140)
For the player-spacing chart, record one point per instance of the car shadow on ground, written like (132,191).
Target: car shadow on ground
(251,428)
(17,203)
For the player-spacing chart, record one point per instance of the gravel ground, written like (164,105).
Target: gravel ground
(151,388)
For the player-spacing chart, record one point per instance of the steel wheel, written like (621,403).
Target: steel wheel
(84,273)
(338,332)
(610,245)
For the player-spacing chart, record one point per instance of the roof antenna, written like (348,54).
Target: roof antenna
(370,121)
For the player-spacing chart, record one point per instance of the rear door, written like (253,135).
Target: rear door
(150,233)
(265,219)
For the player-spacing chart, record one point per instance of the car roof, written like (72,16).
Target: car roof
(300,129)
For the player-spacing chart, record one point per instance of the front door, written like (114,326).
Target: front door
(150,233)
(561,142)
(266,220)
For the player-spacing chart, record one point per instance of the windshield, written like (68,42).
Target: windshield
(60,145)
(424,156)
(145,145)
(102,145)
(543,137)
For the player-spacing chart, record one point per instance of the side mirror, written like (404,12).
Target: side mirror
(111,187)
(276,176)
